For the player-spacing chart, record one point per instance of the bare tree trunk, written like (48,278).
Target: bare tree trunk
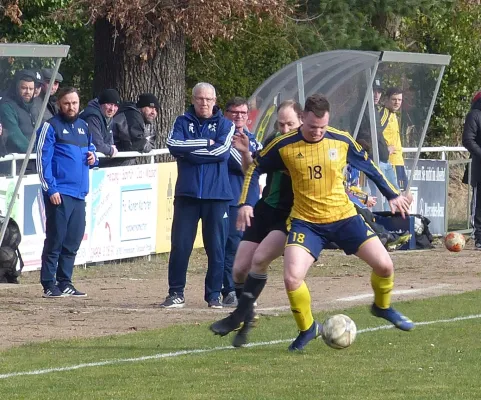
(131,74)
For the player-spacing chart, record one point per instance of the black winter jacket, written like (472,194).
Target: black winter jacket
(472,140)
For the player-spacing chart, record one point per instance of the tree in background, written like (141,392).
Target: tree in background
(454,29)
(139,45)
(35,24)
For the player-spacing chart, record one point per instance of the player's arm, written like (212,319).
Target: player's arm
(267,160)
(359,158)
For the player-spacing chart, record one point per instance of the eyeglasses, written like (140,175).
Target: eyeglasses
(204,99)
(239,113)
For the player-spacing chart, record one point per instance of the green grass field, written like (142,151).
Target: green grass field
(435,361)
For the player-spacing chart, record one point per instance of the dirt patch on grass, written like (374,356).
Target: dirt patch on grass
(124,297)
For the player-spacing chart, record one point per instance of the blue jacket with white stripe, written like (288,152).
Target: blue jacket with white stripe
(62,149)
(202,170)
(236,174)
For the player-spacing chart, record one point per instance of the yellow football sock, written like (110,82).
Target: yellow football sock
(382,290)
(300,300)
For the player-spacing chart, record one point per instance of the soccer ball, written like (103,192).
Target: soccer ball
(454,241)
(339,331)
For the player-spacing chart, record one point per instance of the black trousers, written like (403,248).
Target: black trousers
(476,212)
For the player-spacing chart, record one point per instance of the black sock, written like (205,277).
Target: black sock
(239,288)
(253,287)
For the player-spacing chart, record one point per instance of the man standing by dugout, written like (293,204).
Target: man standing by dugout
(64,155)
(200,141)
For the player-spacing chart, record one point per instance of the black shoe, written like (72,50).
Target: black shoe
(225,326)
(240,339)
(173,301)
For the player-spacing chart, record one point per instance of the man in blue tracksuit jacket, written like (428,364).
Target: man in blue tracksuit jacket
(236,110)
(64,155)
(200,141)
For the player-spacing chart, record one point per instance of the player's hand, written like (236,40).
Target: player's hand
(90,158)
(55,199)
(244,216)
(409,196)
(400,203)
(371,201)
(391,149)
(240,142)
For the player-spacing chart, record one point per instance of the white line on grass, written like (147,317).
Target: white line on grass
(201,351)
(395,292)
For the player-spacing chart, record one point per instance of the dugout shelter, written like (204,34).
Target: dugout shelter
(346,77)
(15,57)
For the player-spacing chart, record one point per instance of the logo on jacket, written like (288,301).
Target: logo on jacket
(81,131)
(65,131)
(212,127)
(191,127)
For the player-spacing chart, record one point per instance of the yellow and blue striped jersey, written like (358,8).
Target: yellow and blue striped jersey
(317,173)
(391,132)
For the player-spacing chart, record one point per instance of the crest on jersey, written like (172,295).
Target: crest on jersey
(333,154)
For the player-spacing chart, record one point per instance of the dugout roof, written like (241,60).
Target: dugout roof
(344,76)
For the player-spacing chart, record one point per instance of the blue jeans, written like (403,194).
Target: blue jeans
(388,170)
(233,239)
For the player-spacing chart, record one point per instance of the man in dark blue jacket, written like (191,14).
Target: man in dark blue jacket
(200,141)
(236,110)
(64,155)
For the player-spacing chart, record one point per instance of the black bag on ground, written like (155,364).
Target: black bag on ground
(9,253)
(424,238)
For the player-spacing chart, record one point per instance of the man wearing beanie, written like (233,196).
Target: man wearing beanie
(134,126)
(99,115)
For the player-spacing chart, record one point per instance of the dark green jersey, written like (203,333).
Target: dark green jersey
(278,191)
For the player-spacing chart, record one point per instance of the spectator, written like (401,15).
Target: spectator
(391,132)
(52,106)
(472,142)
(200,141)
(99,115)
(236,110)
(18,115)
(64,155)
(38,82)
(365,135)
(134,126)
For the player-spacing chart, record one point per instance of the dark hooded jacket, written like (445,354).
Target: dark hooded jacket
(99,127)
(472,139)
(130,131)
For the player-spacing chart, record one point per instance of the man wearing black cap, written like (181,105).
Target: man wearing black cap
(99,115)
(52,107)
(17,113)
(134,125)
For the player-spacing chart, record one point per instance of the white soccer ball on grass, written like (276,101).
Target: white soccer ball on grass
(339,331)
